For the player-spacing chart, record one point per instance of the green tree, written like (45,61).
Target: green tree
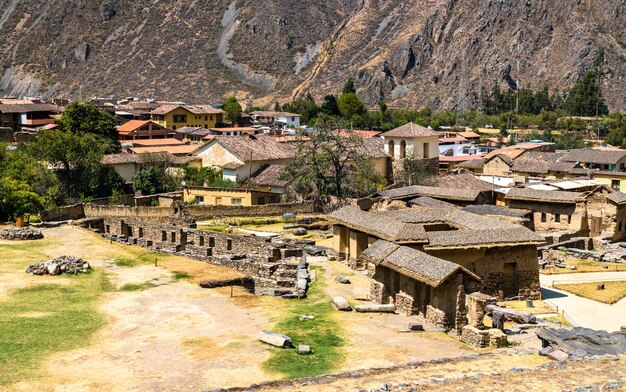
(350,105)
(85,118)
(585,98)
(330,164)
(18,199)
(330,107)
(232,109)
(349,88)
(306,107)
(277,107)
(568,140)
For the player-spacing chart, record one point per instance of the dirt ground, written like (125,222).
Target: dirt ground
(178,336)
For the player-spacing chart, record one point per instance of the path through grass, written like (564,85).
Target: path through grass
(323,334)
(39,321)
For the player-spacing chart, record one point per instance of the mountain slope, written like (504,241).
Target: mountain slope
(432,52)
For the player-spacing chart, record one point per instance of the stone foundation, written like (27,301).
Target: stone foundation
(20,234)
(404,303)
(482,338)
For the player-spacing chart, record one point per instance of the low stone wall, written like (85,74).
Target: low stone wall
(20,234)
(483,337)
(73,212)
(404,303)
(436,316)
(207,212)
(585,243)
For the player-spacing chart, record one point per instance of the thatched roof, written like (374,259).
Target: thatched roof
(526,194)
(413,263)
(413,191)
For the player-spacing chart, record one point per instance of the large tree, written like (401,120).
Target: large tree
(232,109)
(331,163)
(350,106)
(585,98)
(85,118)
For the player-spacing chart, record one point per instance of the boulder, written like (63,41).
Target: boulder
(314,250)
(577,354)
(299,231)
(342,279)
(288,216)
(54,269)
(304,349)
(291,226)
(545,351)
(558,355)
(416,327)
(340,303)
(376,308)
(275,339)
(592,341)
(59,265)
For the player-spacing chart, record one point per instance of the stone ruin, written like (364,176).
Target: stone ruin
(274,266)
(475,333)
(60,265)
(20,234)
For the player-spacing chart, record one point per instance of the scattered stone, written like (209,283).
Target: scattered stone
(558,355)
(375,308)
(513,331)
(304,349)
(288,216)
(291,226)
(299,231)
(314,250)
(306,317)
(275,339)
(622,329)
(20,234)
(577,354)
(58,266)
(340,303)
(545,351)
(342,279)
(416,327)
(572,267)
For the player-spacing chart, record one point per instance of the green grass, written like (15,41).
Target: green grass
(66,318)
(137,286)
(16,256)
(323,334)
(218,228)
(145,259)
(181,276)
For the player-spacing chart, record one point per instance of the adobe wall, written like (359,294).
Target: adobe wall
(271,263)
(573,217)
(489,265)
(427,167)
(207,212)
(73,212)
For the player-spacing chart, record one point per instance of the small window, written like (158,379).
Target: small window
(163,236)
(543,218)
(229,244)
(201,240)
(173,237)
(557,218)
(140,232)
(392,148)
(402,149)
(615,184)
(236,201)
(619,227)
(200,199)
(569,219)
(426,151)
(180,118)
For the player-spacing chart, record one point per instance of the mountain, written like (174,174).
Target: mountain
(435,53)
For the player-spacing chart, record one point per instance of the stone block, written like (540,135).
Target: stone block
(558,355)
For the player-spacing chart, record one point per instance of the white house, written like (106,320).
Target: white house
(288,120)
(411,141)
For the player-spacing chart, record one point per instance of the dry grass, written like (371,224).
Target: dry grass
(197,271)
(539,307)
(613,292)
(585,266)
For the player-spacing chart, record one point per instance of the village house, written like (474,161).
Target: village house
(177,116)
(269,179)
(128,165)
(19,114)
(135,109)
(455,196)
(199,134)
(282,119)
(143,129)
(229,196)
(481,253)
(412,147)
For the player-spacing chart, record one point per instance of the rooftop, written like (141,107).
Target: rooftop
(431,191)
(463,181)
(184,149)
(588,155)
(157,142)
(194,109)
(268,113)
(410,130)
(255,148)
(526,194)
(270,176)
(488,209)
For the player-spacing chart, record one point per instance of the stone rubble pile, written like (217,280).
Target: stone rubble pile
(60,265)
(20,234)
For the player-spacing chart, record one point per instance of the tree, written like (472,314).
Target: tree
(18,199)
(350,105)
(78,161)
(85,118)
(232,109)
(277,107)
(332,164)
(329,107)
(585,98)
(306,107)
(349,88)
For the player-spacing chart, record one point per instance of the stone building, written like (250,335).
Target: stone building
(502,254)
(412,148)
(451,195)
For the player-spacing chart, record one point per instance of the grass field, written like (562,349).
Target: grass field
(39,321)
(323,334)
(613,292)
(585,266)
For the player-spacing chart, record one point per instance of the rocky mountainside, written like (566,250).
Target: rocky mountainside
(432,52)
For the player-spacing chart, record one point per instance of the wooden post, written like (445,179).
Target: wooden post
(231,291)
(156,264)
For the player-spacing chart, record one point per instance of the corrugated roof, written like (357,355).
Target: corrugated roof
(434,192)
(543,196)
(410,130)
(588,155)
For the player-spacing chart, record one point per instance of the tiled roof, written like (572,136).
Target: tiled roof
(540,162)
(28,108)
(270,176)
(472,164)
(488,209)
(257,148)
(425,201)
(115,159)
(588,155)
(527,194)
(463,181)
(414,263)
(483,237)
(410,130)
(193,109)
(197,131)
(430,191)
(185,149)
(509,152)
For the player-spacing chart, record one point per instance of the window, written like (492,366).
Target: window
(173,237)
(557,218)
(236,201)
(403,149)
(201,240)
(218,201)
(543,218)
(180,118)
(200,199)
(426,151)
(392,148)
(615,184)
(163,236)
(293,119)
(569,219)
(619,227)
(140,232)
